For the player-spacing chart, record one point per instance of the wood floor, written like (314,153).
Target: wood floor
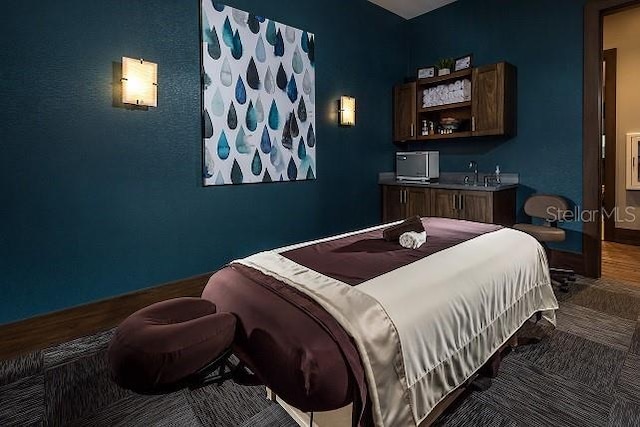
(621,262)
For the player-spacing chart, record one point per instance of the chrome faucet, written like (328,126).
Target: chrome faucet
(473,165)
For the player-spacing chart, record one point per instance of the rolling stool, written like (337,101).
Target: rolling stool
(548,208)
(175,344)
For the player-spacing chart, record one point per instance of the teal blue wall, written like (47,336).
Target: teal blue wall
(97,201)
(544,39)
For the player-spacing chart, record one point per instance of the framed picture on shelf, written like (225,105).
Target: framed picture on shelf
(463,62)
(427,72)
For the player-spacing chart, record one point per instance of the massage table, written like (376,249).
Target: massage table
(360,331)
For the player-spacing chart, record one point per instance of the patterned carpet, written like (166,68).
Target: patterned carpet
(584,373)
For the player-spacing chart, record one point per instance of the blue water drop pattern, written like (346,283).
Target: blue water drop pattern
(219,179)
(292,170)
(253,79)
(278,48)
(265,141)
(290,35)
(256,164)
(271,33)
(252,117)
(302,110)
(287,140)
(306,83)
(241,91)
(236,49)
(292,89)
(223,147)
(261,52)
(253,23)
(311,136)
(259,110)
(312,50)
(258,113)
(240,17)
(295,130)
(242,145)
(209,165)
(269,82)
(297,64)
(281,78)
(207,125)
(236,173)
(226,76)
(310,174)
(217,104)
(227,33)
(275,157)
(232,117)
(274,116)
(302,149)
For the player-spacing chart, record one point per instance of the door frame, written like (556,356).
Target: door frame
(594,11)
(610,57)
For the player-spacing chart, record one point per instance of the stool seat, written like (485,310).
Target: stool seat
(542,233)
(166,343)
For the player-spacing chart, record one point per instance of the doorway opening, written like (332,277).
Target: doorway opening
(612,55)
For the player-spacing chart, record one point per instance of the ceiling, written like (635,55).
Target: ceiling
(411,8)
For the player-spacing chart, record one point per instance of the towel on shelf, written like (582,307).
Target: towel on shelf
(394,232)
(413,240)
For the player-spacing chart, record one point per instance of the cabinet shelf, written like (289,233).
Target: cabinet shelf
(465,134)
(453,106)
(456,75)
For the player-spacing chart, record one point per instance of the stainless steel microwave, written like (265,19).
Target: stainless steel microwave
(418,165)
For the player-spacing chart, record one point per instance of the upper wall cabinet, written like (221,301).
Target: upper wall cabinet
(404,112)
(474,102)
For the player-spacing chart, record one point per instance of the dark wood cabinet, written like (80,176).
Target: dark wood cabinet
(493,100)
(476,206)
(444,203)
(490,112)
(393,207)
(404,112)
(400,202)
(494,207)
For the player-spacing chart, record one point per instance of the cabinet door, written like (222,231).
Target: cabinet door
(393,207)
(404,112)
(476,206)
(494,105)
(444,203)
(488,99)
(418,201)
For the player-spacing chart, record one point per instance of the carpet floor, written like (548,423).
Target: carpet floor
(586,372)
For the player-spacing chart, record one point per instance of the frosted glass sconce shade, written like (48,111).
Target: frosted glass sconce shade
(139,82)
(347,111)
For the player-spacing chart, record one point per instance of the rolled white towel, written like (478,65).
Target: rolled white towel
(413,240)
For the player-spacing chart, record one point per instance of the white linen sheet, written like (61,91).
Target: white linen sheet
(422,330)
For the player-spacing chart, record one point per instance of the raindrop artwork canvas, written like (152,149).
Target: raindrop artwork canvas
(258,98)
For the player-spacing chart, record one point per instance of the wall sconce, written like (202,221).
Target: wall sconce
(347,111)
(139,82)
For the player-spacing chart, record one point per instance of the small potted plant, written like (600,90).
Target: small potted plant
(445,66)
